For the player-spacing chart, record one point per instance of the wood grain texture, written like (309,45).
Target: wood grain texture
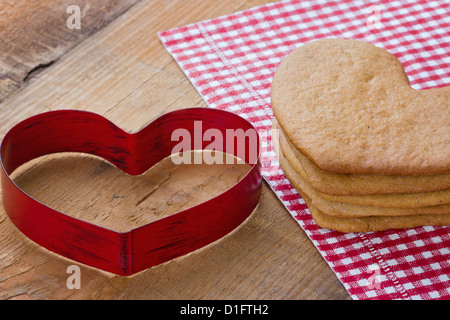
(34,34)
(124,73)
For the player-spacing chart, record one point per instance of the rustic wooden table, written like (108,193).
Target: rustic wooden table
(115,65)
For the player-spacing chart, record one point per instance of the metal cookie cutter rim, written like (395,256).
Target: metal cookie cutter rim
(124,253)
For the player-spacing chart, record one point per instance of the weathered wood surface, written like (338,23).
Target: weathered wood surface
(34,34)
(124,73)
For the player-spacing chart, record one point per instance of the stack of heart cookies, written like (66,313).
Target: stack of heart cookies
(366,151)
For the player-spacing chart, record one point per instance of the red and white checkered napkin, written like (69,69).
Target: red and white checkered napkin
(231,59)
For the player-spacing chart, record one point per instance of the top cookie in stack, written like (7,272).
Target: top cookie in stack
(366,151)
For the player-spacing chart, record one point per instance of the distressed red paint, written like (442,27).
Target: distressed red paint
(123,253)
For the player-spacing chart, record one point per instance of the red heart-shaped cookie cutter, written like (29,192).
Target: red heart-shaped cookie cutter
(126,253)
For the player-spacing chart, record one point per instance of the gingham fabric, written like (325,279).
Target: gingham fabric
(230,60)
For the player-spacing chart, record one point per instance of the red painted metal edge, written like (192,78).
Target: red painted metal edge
(126,253)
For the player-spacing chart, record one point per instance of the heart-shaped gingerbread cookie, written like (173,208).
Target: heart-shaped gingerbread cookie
(348,106)
(365,150)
